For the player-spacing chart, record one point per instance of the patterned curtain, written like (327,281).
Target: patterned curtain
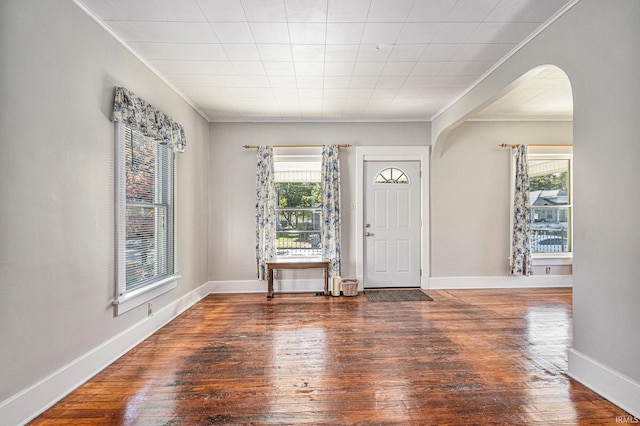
(265,210)
(331,207)
(520,246)
(136,113)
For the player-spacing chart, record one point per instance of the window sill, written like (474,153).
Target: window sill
(552,259)
(142,295)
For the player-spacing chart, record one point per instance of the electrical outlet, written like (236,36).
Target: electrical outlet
(548,270)
(150,309)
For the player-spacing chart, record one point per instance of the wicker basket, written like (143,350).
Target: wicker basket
(350,286)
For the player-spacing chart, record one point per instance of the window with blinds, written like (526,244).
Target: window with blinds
(146,254)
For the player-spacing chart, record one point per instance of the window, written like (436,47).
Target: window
(145,218)
(298,211)
(550,200)
(392,175)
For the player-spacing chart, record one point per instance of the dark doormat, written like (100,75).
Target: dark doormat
(396,296)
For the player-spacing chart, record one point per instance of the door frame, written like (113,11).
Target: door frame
(393,153)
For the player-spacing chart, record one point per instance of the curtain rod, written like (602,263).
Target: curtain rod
(344,145)
(515,145)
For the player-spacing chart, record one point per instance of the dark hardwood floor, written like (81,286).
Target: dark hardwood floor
(468,357)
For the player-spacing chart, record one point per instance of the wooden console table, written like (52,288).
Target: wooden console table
(298,264)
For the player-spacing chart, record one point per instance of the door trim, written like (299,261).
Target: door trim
(393,153)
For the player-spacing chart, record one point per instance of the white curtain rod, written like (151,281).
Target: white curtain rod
(345,145)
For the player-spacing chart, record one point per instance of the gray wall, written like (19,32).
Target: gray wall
(595,43)
(232,182)
(57,79)
(470,200)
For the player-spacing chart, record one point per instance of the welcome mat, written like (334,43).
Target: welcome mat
(396,296)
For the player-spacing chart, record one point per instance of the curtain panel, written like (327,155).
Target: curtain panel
(330,180)
(521,245)
(136,113)
(265,210)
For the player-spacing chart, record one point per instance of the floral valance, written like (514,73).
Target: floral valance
(136,113)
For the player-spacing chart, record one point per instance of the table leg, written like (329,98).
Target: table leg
(326,281)
(270,284)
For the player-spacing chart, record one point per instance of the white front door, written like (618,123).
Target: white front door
(391,224)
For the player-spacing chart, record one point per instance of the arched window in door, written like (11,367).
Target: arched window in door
(392,175)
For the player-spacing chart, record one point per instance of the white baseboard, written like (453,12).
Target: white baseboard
(534,281)
(30,402)
(255,286)
(615,387)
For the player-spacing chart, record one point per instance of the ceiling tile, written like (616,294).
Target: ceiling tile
(306,10)
(389,11)
(341,52)
(306,52)
(430,10)
(440,52)
(390,82)
(344,33)
(305,33)
(348,11)
(264,10)
(279,68)
(242,52)
(363,82)
(481,51)
(309,68)
(270,32)
(175,32)
(474,68)
(275,52)
(169,67)
(368,68)
(360,92)
(373,53)
(338,68)
(422,32)
(222,10)
(305,95)
(337,82)
(398,68)
(232,32)
(183,51)
(471,10)
(375,33)
(285,93)
(282,81)
(454,32)
(249,68)
(428,68)
(146,10)
(309,82)
(407,52)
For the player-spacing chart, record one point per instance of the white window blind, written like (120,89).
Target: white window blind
(145,223)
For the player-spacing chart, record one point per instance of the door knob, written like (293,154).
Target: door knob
(368,234)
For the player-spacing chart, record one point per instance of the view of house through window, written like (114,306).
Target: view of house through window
(298,212)
(148,213)
(550,200)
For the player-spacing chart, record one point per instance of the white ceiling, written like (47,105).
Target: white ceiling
(331,60)
(546,95)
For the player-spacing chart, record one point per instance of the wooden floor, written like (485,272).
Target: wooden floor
(468,357)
